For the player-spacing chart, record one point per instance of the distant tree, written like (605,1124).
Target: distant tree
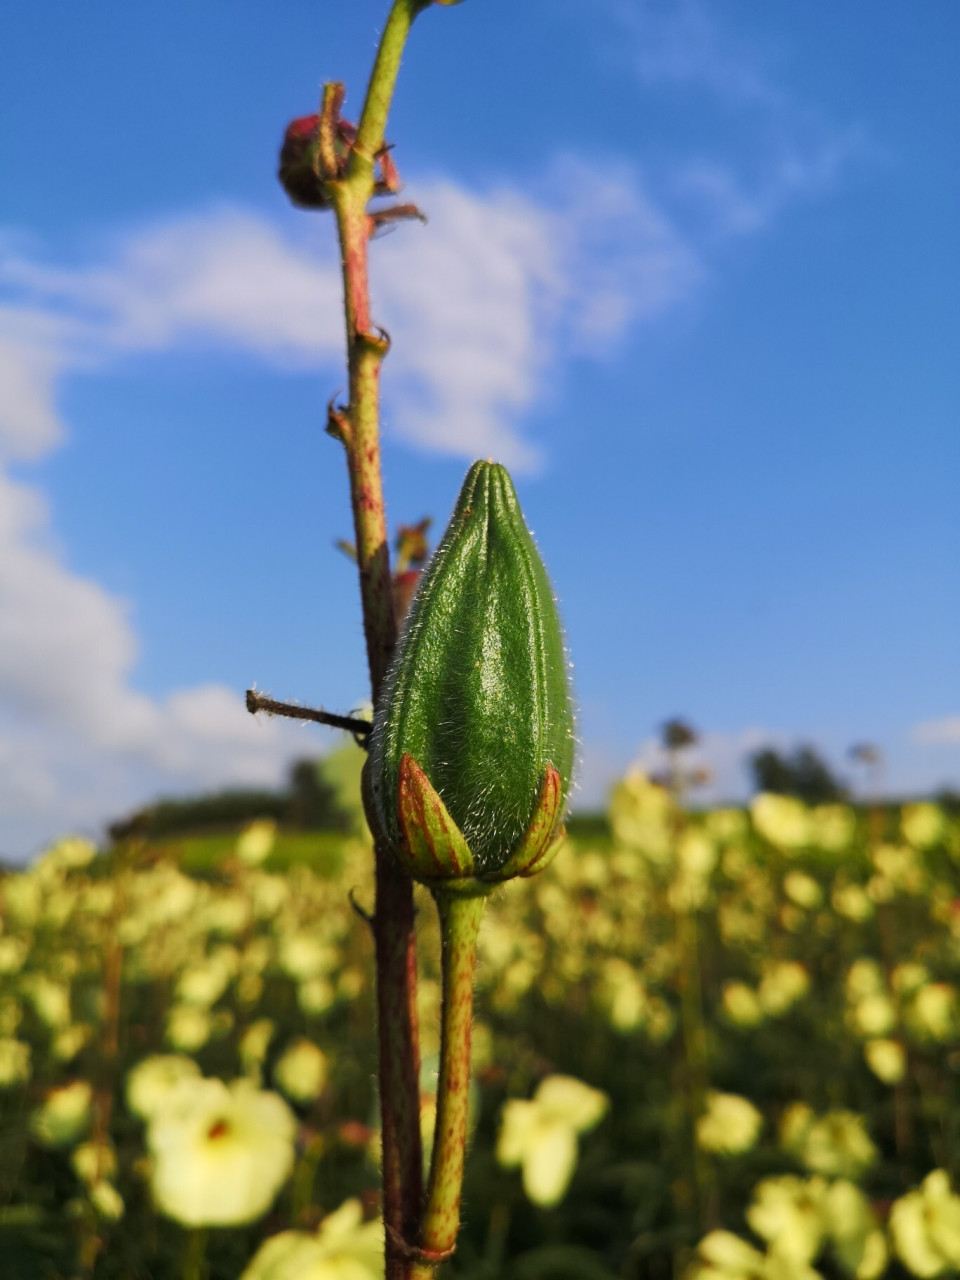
(311,800)
(677,734)
(803,773)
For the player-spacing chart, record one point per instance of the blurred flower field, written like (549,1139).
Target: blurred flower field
(722,1045)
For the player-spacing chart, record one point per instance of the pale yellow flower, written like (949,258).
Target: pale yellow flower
(932,1013)
(838,1145)
(784,982)
(316,995)
(832,826)
(151,1082)
(13,952)
(726,825)
(14,1062)
(908,977)
(864,978)
(922,824)
(899,869)
(107,1201)
(741,1004)
(189,1027)
(541,1134)
(255,842)
(925,1227)
(203,984)
(802,890)
(50,999)
(21,898)
(790,1214)
(795,1125)
(11,1015)
(305,955)
(68,1042)
(641,815)
(220,1152)
(64,1115)
(71,854)
(887,1060)
(696,852)
(623,994)
(255,1042)
(343,1248)
(858,1242)
(872,1016)
(721,1255)
(93,1161)
(783,820)
(730,1125)
(302,1071)
(852,902)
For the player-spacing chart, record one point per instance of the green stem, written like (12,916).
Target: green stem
(383,79)
(695,1051)
(194,1258)
(460,917)
(304,1175)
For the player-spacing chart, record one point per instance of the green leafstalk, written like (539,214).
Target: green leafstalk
(460,916)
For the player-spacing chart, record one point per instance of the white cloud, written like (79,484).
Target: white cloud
(482,305)
(486,301)
(729,205)
(944,732)
(78,742)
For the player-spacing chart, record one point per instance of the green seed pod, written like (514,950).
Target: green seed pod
(472,743)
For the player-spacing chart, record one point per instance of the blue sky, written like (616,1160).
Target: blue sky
(691,270)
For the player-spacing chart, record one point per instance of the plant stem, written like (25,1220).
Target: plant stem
(695,1054)
(195,1254)
(383,78)
(460,918)
(358,428)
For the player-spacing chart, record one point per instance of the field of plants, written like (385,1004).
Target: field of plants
(723,1045)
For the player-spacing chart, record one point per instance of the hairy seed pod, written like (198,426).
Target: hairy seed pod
(472,744)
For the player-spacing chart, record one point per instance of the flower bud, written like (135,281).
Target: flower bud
(472,745)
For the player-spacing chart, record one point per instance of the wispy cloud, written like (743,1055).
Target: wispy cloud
(482,305)
(680,43)
(775,148)
(944,732)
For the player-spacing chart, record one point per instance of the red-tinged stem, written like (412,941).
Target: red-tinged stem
(393,923)
(359,428)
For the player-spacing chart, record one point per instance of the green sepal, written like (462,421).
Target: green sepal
(529,853)
(432,845)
